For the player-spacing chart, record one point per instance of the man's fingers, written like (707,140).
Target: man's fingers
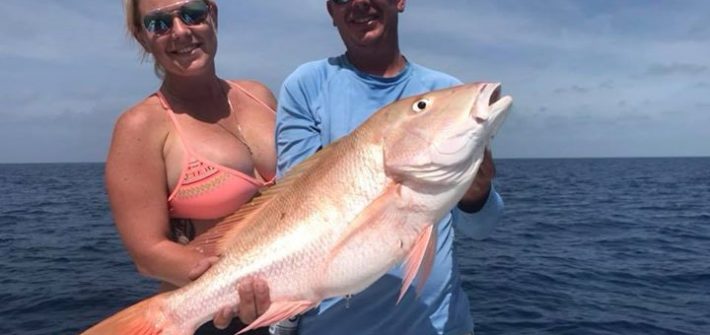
(490,167)
(486,171)
(223,318)
(487,165)
(262,297)
(247,310)
(476,194)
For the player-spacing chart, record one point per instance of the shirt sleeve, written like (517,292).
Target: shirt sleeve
(480,225)
(297,131)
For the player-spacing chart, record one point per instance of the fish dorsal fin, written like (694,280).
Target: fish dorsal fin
(219,238)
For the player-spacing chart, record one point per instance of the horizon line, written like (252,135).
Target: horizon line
(495,158)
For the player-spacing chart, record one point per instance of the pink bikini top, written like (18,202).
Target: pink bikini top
(207,190)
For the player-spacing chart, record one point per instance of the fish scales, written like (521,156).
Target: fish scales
(352,169)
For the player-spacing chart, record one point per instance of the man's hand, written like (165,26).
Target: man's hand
(477,194)
(254,297)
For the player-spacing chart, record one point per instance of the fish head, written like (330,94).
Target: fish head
(439,138)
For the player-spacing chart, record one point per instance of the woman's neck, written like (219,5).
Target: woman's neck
(192,89)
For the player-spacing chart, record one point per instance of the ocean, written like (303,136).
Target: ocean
(586,246)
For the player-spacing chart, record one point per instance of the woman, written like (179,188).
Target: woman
(189,154)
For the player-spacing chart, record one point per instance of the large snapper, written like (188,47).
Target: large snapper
(341,219)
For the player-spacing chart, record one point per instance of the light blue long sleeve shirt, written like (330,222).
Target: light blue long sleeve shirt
(324,100)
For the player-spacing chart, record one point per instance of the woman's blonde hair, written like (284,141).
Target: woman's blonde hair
(134,26)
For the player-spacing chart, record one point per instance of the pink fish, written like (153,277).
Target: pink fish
(341,219)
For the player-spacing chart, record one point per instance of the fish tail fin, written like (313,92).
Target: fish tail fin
(143,318)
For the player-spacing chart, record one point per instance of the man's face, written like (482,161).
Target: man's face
(364,23)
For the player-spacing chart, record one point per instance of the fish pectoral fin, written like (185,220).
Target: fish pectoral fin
(379,211)
(428,261)
(279,311)
(419,261)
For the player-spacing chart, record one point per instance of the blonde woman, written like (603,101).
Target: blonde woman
(190,153)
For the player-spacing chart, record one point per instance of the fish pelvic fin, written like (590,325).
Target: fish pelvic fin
(143,318)
(419,261)
(279,311)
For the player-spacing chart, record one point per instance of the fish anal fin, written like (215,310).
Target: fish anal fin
(419,260)
(279,311)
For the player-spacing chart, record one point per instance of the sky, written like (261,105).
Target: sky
(602,78)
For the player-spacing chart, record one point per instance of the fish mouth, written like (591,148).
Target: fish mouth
(492,106)
(484,114)
(495,95)
(498,103)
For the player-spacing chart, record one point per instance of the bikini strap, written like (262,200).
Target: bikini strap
(251,95)
(171,114)
(178,129)
(256,171)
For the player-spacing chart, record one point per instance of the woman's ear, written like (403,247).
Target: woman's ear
(142,41)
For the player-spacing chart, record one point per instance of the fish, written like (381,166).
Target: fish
(339,220)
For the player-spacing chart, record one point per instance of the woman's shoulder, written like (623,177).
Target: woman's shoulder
(142,116)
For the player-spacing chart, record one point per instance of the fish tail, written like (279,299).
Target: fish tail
(143,318)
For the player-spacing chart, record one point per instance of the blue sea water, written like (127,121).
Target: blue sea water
(586,246)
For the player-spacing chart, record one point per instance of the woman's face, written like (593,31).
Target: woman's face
(181,35)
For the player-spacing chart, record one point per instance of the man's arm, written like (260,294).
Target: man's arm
(297,132)
(481,207)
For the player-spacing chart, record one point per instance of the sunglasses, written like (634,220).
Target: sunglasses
(191,13)
(340,2)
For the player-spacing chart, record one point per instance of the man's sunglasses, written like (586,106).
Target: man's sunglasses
(191,13)
(340,2)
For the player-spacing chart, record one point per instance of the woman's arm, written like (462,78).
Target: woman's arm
(136,185)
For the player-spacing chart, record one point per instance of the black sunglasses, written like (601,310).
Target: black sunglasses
(340,2)
(191,13)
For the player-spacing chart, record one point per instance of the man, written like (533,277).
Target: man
(324,100)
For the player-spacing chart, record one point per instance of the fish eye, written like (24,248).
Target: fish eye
(421,105)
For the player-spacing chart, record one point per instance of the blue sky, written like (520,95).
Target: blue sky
(602,78)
